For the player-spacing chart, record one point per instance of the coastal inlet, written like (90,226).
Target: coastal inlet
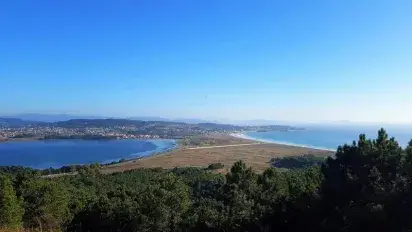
(58,153)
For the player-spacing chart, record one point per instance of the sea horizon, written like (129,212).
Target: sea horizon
(325,137)
(244,135)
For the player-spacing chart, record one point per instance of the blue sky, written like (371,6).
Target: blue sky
(280,60)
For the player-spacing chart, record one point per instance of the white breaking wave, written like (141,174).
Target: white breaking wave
(244,136)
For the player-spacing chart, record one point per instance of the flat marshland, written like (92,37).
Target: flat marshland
(223,149)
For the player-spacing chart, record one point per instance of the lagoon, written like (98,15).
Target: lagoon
(58,153)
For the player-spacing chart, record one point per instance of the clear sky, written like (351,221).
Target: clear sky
(280,60)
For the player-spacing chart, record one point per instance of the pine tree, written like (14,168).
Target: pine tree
(11,210)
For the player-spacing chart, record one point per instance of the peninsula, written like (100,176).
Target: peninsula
(117,129)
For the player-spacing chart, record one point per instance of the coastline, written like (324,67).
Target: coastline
(245,136)
(226,149)
(19,139)
(25,139)
(160,146)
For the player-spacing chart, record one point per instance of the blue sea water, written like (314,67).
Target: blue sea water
(57,153)
(329,137)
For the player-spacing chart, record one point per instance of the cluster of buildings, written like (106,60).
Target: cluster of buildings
(121,129)
(54,132)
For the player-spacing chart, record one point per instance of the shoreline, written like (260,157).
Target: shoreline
(245,136)
(30,139)
(160,149)
(226,149)
(162,146)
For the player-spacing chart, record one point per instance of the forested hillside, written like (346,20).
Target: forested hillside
(367,186)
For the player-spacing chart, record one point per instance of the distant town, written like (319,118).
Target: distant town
(15,129)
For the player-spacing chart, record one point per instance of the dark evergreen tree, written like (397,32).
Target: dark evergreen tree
(360,184)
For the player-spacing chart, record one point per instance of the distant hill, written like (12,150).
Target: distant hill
(149,125)
(129,122)
(14,121)
(185,120)
(51,117)
(67,117)
(253,122)
(194,120)
(219,126)
(98,122)
(148,118)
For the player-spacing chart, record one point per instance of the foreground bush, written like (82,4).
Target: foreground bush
(215,166)
(295,162)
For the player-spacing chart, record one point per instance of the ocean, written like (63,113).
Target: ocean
(328,137)
(58,153)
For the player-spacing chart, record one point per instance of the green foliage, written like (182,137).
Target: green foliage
(215,166)
(147,200)
(11,210)
(17,170)
(294,162)
(365,181)
(46,204)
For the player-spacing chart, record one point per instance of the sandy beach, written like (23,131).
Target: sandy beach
(244,136)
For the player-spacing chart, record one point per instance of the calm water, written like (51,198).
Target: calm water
(57,153)
(329,137)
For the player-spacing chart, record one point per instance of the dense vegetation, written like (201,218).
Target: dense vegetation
(17,170)
(215,166)
(367,186)
(293,162)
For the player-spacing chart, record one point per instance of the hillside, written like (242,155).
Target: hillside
(4,121)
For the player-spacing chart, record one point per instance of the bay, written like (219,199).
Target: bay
(57,153)
(329,137)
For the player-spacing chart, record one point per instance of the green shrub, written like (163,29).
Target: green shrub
(294,162)
(215,166)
